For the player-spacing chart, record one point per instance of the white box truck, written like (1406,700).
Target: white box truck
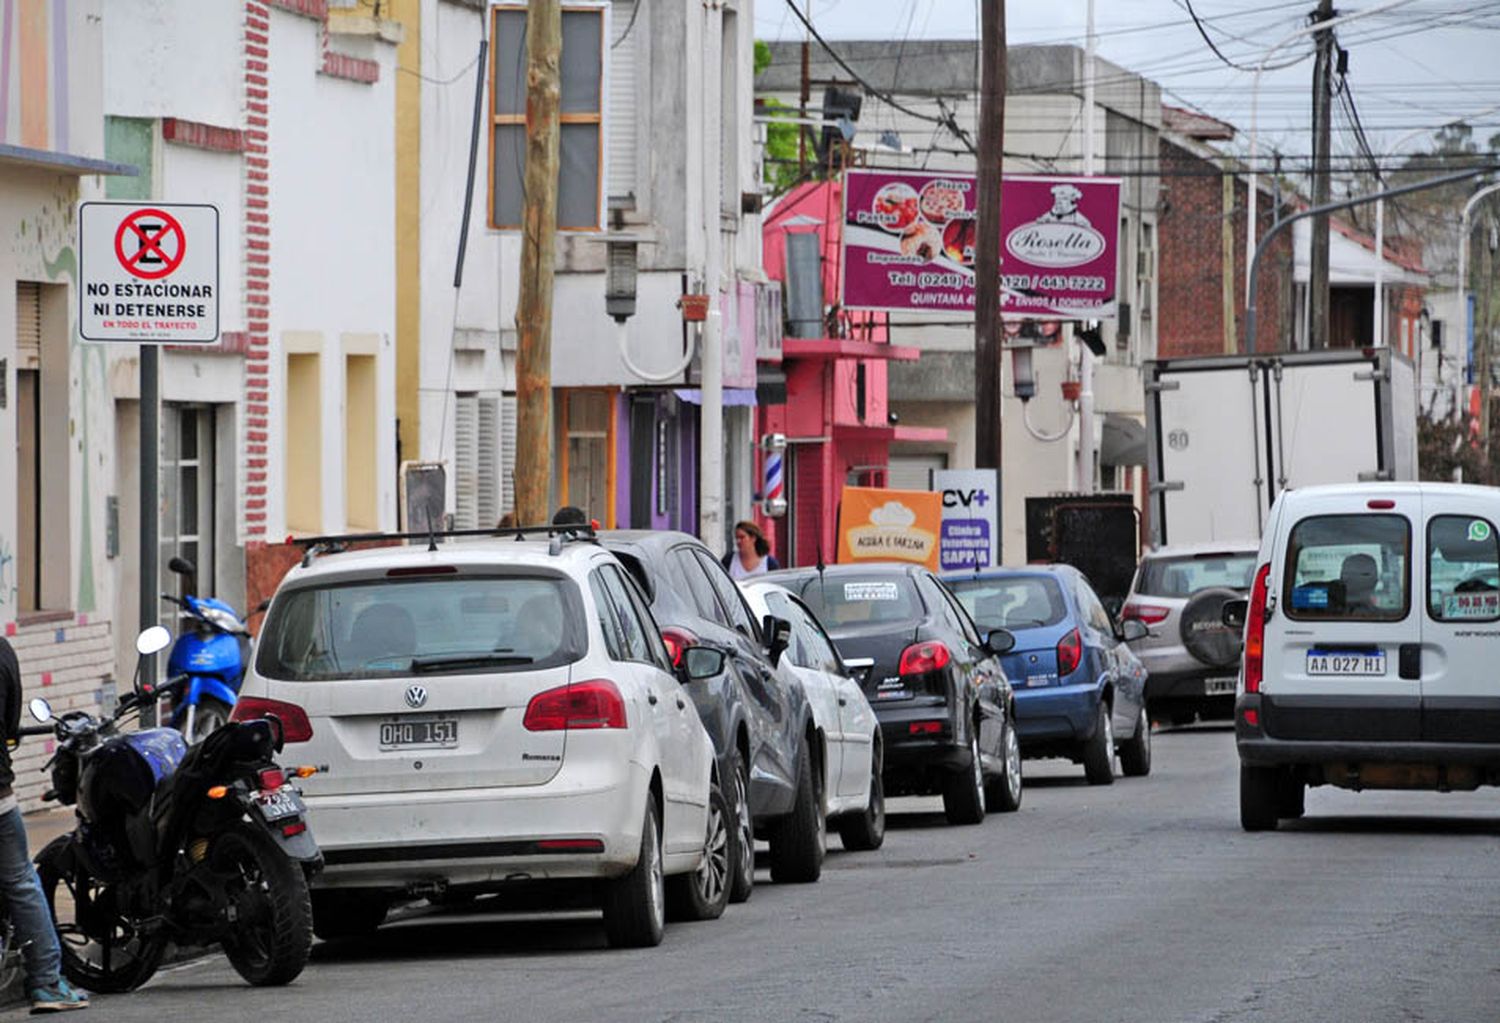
(1226,434)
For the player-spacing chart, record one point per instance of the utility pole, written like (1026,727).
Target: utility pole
(711,363)
(538,244)
(1086,357)
(805,94)
(987,331)
(1322,117)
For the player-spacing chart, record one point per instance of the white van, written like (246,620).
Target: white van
(1372,645)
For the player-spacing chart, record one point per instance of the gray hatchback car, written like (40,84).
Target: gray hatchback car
(1191,657)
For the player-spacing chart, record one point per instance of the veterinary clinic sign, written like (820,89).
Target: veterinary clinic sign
(908,244)
(889,525)
(148,272)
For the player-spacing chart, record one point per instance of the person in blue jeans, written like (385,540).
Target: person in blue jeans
(19,887)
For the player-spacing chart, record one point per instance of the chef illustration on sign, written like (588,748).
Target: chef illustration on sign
(1064,207)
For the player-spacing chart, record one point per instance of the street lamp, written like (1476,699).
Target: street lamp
(621,273)
(1321,26)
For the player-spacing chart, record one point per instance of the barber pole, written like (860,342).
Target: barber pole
(773,490)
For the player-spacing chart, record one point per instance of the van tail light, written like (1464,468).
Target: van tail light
(579,705)
(294,724)
(677,641)
(921,658)
(1255,631)
(1069,653)
(1147,614)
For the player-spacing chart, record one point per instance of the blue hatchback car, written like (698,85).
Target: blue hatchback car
(1079,690)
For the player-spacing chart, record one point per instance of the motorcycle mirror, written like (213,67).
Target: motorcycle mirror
(41,709)
(153,640)
(181,566)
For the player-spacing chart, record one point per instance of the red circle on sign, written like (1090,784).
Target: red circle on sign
(150,231)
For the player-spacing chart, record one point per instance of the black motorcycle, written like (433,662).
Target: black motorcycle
(192,846)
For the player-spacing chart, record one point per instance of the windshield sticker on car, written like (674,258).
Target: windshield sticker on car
(871,591)
(1479,531)
(1471,605)
(1310,598)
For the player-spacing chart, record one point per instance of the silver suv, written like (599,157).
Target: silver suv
(1192,658)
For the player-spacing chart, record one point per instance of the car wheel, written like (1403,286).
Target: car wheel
(1291,799)
(1135,752)
(1099,750)
(1259,787)
(742,881)
(862,832)
(703,893)
(963,791)
(1003,793)
(797,840)
(635,904)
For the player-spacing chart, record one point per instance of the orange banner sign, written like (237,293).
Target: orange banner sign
(890,525)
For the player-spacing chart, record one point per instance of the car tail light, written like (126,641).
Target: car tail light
(677,640)
(1147,614)
(920,658)
(595,704)
(925,728)
(1069,653)
(271,779)
(294,724)
(1255,631)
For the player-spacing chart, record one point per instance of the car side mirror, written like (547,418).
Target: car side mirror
(778,633)
(1234,613)
(1132,629)
(701,662)
(1000,641)
(41,709)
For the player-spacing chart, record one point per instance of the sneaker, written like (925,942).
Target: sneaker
(60,997)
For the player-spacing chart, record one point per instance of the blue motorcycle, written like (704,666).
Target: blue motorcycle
(207,662)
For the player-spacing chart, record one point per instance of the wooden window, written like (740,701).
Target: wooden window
(581,157)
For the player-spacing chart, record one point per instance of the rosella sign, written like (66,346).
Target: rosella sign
(909,244)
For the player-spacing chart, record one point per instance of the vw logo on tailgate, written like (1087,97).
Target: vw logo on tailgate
(416,696)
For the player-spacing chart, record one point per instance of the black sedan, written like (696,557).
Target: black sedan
(756,711)
(947,715)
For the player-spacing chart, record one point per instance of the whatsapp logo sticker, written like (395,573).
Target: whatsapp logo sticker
(1479,531)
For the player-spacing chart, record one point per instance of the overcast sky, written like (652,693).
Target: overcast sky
(1418,65)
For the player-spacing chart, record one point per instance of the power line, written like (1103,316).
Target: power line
(1198,24)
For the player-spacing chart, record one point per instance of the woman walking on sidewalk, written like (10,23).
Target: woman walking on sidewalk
(19,887)
(751,554)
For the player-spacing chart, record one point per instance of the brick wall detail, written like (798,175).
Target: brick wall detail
(71,664)
(255,343)
(202,136)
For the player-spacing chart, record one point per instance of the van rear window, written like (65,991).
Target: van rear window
(1349,568)
(1463,569)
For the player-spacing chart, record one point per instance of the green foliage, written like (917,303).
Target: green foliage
(1445,445)
(781,139)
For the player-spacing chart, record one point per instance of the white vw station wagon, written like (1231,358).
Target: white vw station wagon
(1370,645)
(486,713)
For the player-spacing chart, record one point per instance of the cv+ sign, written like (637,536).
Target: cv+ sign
(148,272)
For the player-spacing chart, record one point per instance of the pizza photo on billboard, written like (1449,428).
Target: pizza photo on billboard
(942,201)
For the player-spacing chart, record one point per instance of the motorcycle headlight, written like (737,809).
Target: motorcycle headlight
(221,619)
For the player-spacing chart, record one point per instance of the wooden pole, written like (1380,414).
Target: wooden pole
(538,244)
(1226,266)
(987,330)
(1322,191)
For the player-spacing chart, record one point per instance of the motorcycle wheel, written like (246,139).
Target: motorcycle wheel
(10,951)
(102,950)
(212,715)
(271,937)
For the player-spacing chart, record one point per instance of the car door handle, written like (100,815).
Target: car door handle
(843,702)
(1409,661)
(651,698)
(681,705)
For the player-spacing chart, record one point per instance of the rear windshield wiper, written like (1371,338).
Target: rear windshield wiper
(447,662)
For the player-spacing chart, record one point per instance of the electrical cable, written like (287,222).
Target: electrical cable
(1198,23)
(635,12)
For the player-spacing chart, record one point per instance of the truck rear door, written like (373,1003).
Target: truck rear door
(1341,647)
(1326,427)
(1209,438)
(1460,690)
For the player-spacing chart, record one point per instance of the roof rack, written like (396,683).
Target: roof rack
(338,543)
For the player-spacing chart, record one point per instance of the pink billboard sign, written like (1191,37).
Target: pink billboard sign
(909,244)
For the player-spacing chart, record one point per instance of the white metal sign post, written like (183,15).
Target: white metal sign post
(148,274)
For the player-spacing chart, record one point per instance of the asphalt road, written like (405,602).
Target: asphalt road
(1141,901)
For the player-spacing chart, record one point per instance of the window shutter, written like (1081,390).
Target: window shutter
(507,453)
(466,462)
(621,120)
(28,325)
(487,480)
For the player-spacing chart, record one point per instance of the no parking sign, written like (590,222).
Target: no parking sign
(149,272)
